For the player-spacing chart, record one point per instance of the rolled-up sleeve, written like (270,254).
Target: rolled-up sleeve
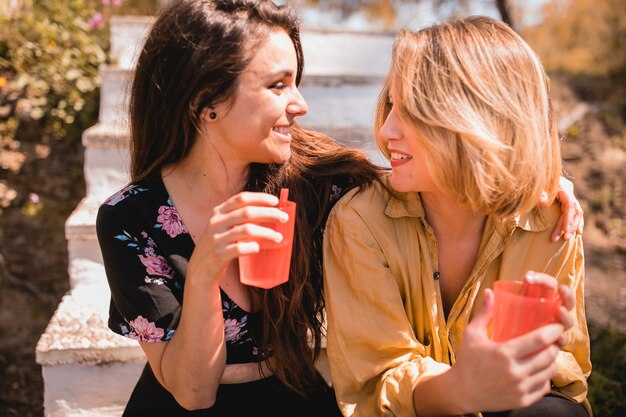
(573,362)
(375,358)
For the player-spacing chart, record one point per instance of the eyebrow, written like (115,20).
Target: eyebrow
(280,73)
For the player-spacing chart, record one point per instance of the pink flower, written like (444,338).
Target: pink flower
(96,21)
(119,196)
(232,329)
(171,221)
(145,331)
(156,265)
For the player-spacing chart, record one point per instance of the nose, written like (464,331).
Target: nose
(297,104)
(390,129)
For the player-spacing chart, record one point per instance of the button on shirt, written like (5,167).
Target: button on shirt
(386,323)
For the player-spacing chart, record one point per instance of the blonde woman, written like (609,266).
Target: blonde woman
(466,121)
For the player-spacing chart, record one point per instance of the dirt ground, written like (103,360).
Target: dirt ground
(41,182)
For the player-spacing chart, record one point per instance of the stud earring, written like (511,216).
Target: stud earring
(212,115)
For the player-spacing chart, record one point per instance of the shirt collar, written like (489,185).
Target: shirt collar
(532,221)
(410,205)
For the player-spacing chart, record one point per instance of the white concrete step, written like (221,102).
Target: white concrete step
(87,369)
(326,52)
(107,159)
(343,74)
(114,94)
(85,259)
(127,36)
(334,100)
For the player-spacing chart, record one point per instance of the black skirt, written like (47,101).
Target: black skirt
(265,397)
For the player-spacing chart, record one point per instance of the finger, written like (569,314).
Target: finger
(565,318)
(571,225)
(246,199)
(543,199)
(581,223)
(237,249)
(567,296)
(540,382)
(542,279)
(536,389)
(535,340)
(578,220)
(220,223)
(539,361)
(247,232)
(565,225)
(255,214)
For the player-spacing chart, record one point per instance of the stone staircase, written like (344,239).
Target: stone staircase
(87,369)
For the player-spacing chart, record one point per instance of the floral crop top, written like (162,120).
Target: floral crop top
(146,248)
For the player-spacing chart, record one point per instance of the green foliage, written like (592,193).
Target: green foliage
(608,378)
(50,52)
(50,56)
(586,39)
(139,7)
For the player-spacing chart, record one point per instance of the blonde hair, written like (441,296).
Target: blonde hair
(478,97)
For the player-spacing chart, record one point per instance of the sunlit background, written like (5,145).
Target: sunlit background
(52,55)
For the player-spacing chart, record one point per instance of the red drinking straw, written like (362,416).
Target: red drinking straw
(284,193)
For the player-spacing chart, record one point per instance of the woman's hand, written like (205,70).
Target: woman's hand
(566,293)
(494,376)
(231,231)
(571,220)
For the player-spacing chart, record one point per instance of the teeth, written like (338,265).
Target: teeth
(395,155)
(283,130)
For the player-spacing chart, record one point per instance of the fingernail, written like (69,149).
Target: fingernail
(530,277)
(284,218)
(278,238)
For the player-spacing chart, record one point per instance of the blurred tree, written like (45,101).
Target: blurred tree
(505,12)
(582,36)
(385,10)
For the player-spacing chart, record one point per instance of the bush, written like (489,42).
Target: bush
(586,40)
(51,52)
(608,377)
(49,58)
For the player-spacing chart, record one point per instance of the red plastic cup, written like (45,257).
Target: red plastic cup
(270,266)
(520,307)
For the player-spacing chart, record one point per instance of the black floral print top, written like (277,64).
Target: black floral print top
(146,248)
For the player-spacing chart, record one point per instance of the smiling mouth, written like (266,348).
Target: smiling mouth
(283,130)
(395,156)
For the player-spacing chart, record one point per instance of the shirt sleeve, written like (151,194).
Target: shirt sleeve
(573,362)
(145,296)
(374,356)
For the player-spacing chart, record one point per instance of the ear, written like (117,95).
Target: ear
(209,114)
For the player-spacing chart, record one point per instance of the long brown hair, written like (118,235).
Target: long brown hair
(192,60)
(293,312)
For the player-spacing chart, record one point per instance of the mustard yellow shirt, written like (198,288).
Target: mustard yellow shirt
(386,323)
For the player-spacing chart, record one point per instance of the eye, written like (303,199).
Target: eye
(278,86)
